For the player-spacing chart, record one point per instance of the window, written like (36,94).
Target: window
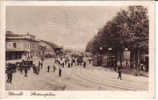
(14,45)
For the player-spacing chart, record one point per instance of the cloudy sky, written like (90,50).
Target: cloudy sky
(67,26)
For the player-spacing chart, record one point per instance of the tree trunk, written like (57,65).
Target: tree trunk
(139,58)
(116,59)
(132,59)
(120,58)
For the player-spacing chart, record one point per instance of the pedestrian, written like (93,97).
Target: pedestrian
(48,68)
(54,68)
(9,72)
(73,60)
(20,68)
(84,64)
(41,64)
(38,69)
(119,73)
(60,71)
(142,66)
(34,69)
(62,62)
(25,70)
(89,61)
(69,65)
(10,76)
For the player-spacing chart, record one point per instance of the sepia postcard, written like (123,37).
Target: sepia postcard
(99,49)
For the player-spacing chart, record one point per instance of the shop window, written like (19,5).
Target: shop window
(14,45)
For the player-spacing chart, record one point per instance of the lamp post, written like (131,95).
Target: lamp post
(109,49)
(109,56)
(101,48)
(126,49)
(100,57)
(126,57)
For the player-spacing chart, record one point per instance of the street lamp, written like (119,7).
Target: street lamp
(109,57)
(100,57)
(109,49)
(126,49)
(101,48)
(126,57)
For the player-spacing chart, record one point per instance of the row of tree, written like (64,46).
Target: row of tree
(128,29)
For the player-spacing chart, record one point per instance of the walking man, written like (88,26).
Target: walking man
(60,72)
(48,68)
(119,73)
(9,75)
(25,69)
(39,63)
(69,65)
(84,64)
(34,69)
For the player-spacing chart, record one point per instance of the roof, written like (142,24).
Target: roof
(12,36)
(52,45)
(20,38)
(16,50)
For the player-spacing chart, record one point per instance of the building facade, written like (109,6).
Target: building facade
(21,46)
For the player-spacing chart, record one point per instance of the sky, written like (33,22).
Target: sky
(67,26)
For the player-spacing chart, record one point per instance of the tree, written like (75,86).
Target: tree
(128,29)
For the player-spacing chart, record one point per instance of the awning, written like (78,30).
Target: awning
(15,50)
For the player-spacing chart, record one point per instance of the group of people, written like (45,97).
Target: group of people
(70,61)
(11,68)
(23,67)
(62,62)
(37,64)
(56,64)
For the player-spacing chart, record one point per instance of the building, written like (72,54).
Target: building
(21,46)
(49,48)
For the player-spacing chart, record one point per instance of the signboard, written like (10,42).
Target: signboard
(126,55)
(126,58)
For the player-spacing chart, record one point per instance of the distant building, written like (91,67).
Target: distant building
(49,51)
(59,51)
(21,46)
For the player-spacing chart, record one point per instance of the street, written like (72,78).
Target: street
(76,78)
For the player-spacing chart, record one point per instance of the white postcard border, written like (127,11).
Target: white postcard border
(85,94)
